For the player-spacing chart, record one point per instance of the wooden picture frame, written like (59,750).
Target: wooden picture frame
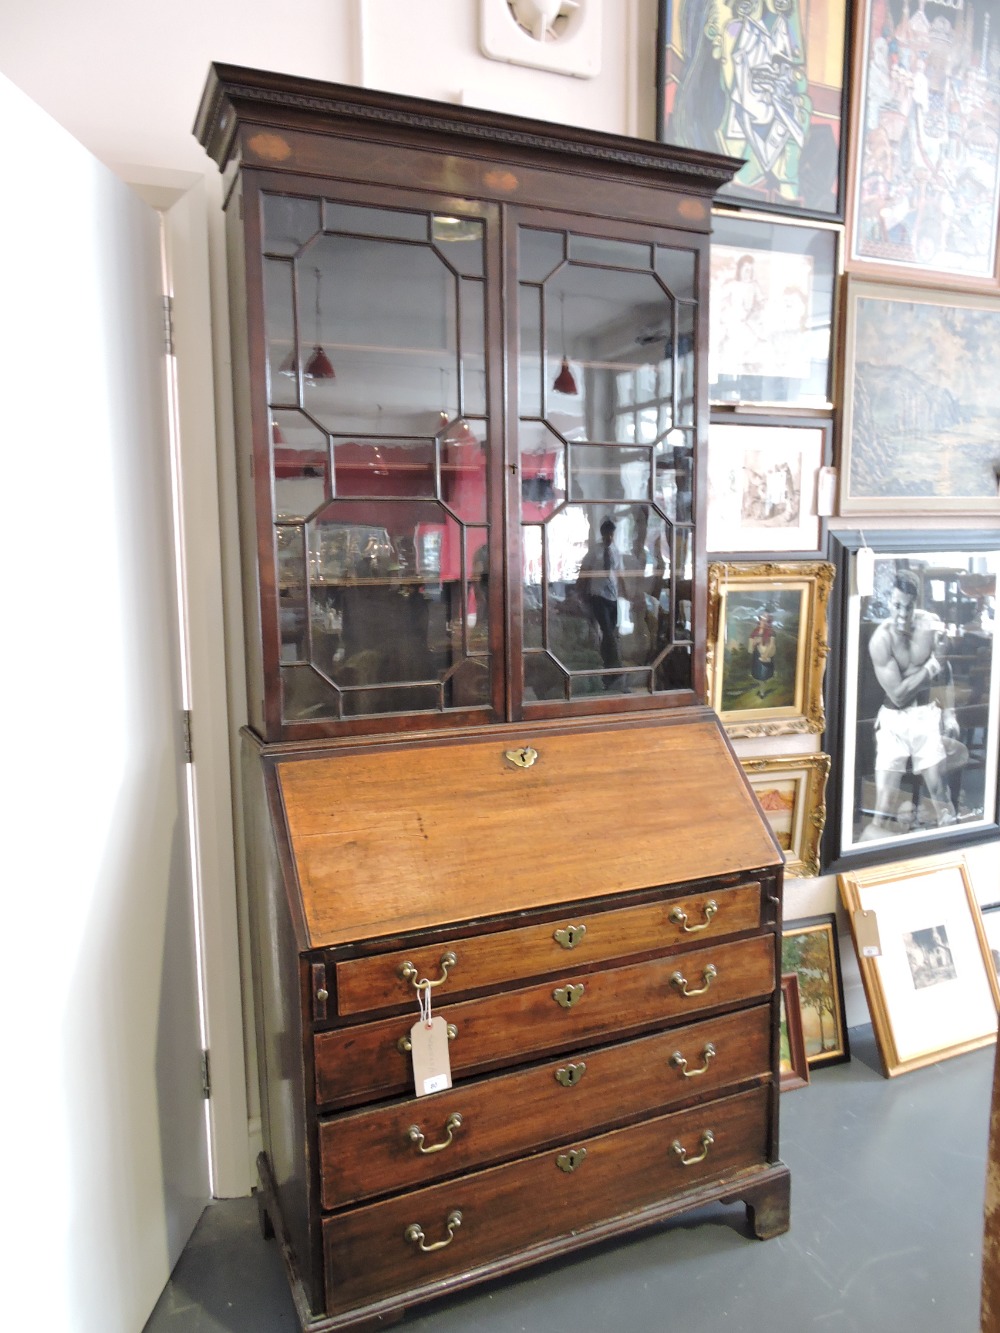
(793,1065)
(918,762)
(709,73)
(766,645)
(763,483)
(772,311)
(791,791)
(810,949)
(921,401)
(924,171)
(931,987)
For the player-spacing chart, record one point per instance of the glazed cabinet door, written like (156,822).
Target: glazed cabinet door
(604,417)
(379,559)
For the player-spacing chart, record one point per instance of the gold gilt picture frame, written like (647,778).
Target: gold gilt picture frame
(791,790)
(767,645)
(924,959)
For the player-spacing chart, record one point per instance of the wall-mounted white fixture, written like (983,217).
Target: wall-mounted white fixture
(559,35)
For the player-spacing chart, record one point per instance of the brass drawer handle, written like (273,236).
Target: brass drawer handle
(707,1139)
(679,917)
(680,981)
(570,1075)
(569,1161)
(678,1061)
(409,973)
(414,1233)
(415,1135)
(404,1045)
(567,996)
(568,937)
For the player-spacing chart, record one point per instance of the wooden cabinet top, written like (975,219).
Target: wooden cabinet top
(381,841)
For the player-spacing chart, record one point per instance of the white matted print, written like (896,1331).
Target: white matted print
(760,313)
(762,482)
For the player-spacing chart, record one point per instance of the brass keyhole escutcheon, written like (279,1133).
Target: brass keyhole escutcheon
(569,1161)
(570,1075)
(568,937)
(567,996)
(523,758)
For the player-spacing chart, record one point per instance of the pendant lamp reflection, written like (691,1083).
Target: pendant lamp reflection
(319,365)
(565,381)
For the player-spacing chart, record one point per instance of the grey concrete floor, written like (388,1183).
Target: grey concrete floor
(887,1198)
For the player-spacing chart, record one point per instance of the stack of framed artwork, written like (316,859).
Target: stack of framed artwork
(853,380)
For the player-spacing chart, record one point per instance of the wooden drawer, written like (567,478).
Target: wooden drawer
(366,1061)
(368,984)
(371,1152)
(370,1252)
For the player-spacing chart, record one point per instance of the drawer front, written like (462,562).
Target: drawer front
(374,1251)
(508,1028)
(368,984)
(365,1153)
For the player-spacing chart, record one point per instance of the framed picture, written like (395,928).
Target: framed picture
(925,161)
(924,960)
(917,678)
(920,401)
(793,1063)
(767,645)
(809,948)
(771,311)
(991,925)
(764,83)
(763,479)
(791,790)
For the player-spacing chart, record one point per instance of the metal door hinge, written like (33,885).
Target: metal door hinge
(206,1077)
(168,324)
(186,736)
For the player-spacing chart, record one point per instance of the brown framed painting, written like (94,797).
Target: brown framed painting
(924,959)
(810,949)
(767,645)
(793,1064)
(791,791)
(924,171)
(921,401)
(764,83)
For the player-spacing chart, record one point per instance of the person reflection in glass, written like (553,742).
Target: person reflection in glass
(600,578)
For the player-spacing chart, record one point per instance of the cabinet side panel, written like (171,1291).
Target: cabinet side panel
(277,1004)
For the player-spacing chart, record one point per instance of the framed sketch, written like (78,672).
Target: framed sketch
(921,401)
(767,645)
(791,790)
(771,311)
(916,675)
(763,480)
(991,925)
(764,83)
(793,1064)
(924,960)
(809,948)
(925,161)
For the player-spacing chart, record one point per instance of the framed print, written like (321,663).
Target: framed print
(925,164)
(762,485)
(809,948)
(793,1064)
(767,645)
(791,790)
(917,678)
(771,311)
(760,82)
(921,401)
(991,925)
(932,989)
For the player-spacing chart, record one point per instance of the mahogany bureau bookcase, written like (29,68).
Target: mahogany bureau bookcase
(516,913)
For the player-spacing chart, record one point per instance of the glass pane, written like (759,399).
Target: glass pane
(473,325)
(530,352)
(538,253)
(676,269)
(543,471)
(300,465)
(366,221)
(460,242)
(384,467)
(609,472)
(685,365)
(542,678)
(600,250)
(463,470)
(289,223)
(292,593)
(282,365)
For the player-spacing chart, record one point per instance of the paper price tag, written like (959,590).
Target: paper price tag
(864,571)
(431,1061)
(866,934)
